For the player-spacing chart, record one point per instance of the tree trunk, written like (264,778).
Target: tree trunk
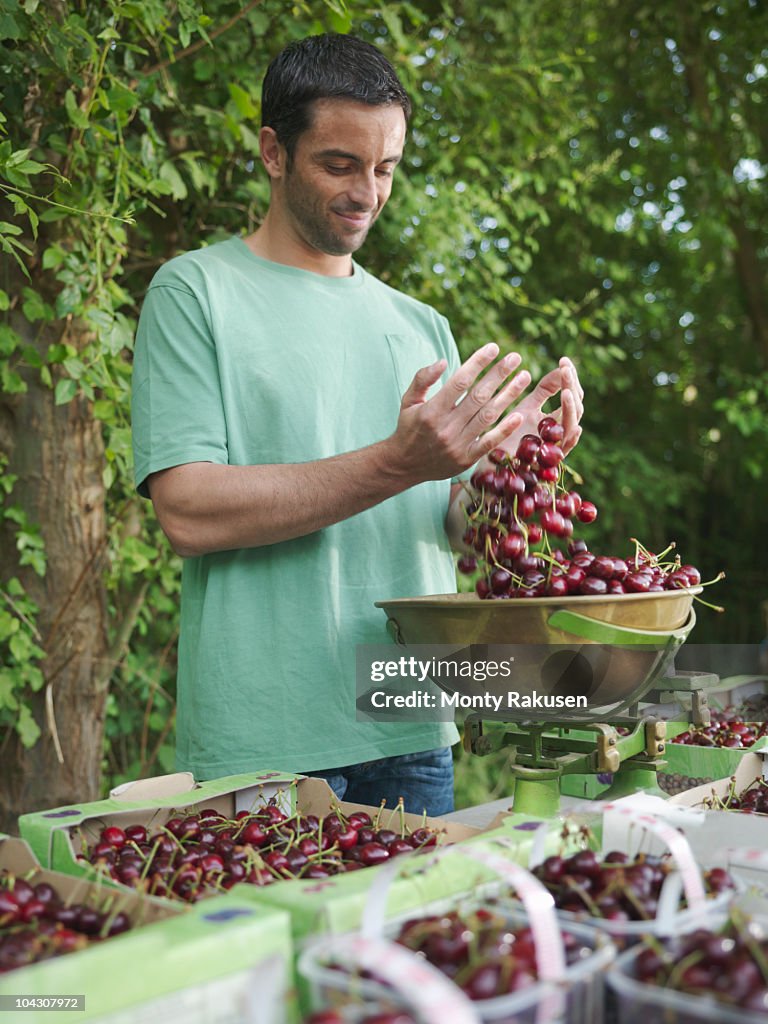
(58,456)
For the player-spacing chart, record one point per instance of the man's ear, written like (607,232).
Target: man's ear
(273,154)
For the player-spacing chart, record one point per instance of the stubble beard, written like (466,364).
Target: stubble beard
(313,224)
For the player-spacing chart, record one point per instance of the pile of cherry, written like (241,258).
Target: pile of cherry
(198,854)
(37,924)
(521,508)
(480,951)
(730,965)
(727,729)
(753,799)
(615,887)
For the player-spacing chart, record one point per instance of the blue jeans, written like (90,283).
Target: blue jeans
(423,780)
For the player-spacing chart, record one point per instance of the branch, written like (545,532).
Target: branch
(199,44)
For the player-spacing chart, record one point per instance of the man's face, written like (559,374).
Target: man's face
(341,174)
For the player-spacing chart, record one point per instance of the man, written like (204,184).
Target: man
(290,430)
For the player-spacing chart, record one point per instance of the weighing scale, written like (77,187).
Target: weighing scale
(618,650)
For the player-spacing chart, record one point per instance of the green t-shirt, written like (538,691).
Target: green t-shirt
(242,361)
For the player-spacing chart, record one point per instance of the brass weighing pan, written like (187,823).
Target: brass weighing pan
(610,649)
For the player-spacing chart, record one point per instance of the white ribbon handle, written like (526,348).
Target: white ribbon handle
(536,899)
(680,848)
(676,843)
(423,986)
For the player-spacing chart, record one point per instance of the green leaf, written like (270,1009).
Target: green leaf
(32,167)
(11,381)
(245,105)
(100,318)
(66,389)
(170,175)
(9,28)
(9,624)
(121,98)
(33,306)
(7,685)
(76,115)
(5,302)
(27,727)
(20,645)
(53,257)
(35,678)
(17,157)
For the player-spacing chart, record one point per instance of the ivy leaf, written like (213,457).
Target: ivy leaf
(65,391)
(76,115)
(7,686)
(170,175)
(27,727)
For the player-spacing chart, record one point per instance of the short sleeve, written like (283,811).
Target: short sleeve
(177,413)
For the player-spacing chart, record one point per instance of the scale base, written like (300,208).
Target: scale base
(546,754)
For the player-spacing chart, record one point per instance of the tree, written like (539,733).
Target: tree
(125,124)
(587,178)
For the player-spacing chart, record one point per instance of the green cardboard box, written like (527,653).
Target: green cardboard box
(58,835)
(332,904)
(687,767)
(752,765)
(200,965)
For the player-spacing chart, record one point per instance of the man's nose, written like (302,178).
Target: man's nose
(363,191)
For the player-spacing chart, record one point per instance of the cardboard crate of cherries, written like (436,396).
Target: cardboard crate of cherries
(185,841)
(700,754)
(197,853)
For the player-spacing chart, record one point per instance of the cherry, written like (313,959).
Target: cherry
(549,455)
(373,853)
(637,583)
(500,581)
(467,564)
(296,861)
(550,430)
(528,448)
(113,835)
(514,486)
(558,587)
(273,814)
(422,837)
(593,586)
(512,546)
(136,834)
(399,846)
(535,533)
(693,574)
(483,982)
(587,513)
(211,863)
(254,834)
(526,506)
(602,567)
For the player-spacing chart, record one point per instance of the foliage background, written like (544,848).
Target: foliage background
(585,178)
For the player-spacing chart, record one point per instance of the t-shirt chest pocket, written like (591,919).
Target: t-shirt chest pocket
(410,352)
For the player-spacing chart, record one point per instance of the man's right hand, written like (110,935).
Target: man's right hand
(438,437)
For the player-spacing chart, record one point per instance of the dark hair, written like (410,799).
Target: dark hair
(328,66)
